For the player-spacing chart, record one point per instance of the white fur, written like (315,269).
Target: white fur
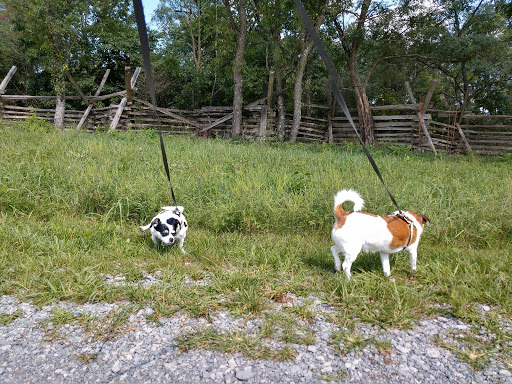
(168,226)
(367,233)
(349,195)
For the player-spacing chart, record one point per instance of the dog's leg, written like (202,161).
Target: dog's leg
(182,240)
(384,259)
(413,255)
(145,227)
(347,264)
(155,239)
(337,261)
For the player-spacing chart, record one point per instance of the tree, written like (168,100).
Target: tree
(474,55)
(193,56)
(79,37)
(306,44)
(182,24)
(240,29)
(52,30)
(462,44)
(351,24)
(12,53)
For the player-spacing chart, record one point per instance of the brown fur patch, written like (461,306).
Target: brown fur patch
(400,231)
(341,216)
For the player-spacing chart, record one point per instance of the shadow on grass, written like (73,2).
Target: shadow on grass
(365,262)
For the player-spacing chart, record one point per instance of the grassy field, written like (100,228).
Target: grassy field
(260,218)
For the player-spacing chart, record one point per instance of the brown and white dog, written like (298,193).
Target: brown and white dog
(357,231)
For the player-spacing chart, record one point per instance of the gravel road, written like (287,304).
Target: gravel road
(32,351)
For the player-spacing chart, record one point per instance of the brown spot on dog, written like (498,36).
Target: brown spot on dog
(400,231)
(340,215)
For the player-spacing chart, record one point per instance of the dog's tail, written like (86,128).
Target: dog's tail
(347,195)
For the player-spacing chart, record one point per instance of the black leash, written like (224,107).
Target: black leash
(144,47)
(335,79)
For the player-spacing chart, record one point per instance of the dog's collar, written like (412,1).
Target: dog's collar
(401,215)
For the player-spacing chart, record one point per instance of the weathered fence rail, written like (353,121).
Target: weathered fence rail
(395,129)
(405,125)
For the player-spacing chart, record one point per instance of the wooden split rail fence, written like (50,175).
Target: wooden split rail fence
(404,125)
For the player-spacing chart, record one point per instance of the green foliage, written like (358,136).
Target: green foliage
(83,37)
(457,43)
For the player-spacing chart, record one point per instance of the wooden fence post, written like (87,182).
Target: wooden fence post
(6,79)
(169,113)
(3,85)
(119,112)
(124,100)
(77,88)
(463,137)
(420,117)
(230,115)
(456,123)
(330,116)
(89,107)
(430,92)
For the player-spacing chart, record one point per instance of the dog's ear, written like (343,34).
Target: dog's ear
(155,222)
(425,219)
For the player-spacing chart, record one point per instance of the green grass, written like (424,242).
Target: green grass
(345,341)
(7,318)
(260,218)
(98,328)
(233,342)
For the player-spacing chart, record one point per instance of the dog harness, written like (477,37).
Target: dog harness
(409,222)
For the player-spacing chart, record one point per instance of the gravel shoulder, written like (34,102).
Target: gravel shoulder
(32,351)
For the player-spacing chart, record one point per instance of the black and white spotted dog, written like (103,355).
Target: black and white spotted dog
(168,226)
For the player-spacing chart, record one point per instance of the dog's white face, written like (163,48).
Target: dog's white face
(168,226)
(164,229)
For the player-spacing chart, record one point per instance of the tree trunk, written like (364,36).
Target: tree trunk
(364,112)
(60,109)
(297,92)
(366,124)
(236,128)
(309,87)
(278,65)
(281,112)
